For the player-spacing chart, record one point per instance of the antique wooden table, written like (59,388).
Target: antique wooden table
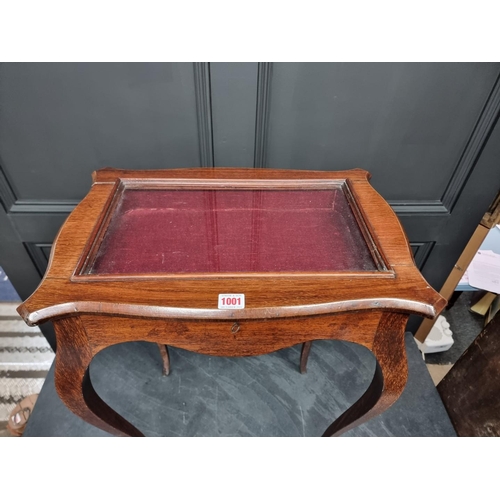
(230,262)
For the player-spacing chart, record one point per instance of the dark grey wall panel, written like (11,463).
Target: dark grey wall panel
(39,253)
(234,104)
(59,122)
(453,232)
(204,112)
(479,192)
(20,267)
(38,227)
(264,75)
(421,251)
(406,123)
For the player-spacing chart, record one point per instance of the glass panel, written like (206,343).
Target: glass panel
(212,231)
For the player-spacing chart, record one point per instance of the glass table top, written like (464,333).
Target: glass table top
(231,231)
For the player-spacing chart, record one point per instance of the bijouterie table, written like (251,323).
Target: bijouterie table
(230,263)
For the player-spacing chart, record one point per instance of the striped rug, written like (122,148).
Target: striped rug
(25,358)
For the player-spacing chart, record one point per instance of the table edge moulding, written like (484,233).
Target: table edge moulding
(91,311)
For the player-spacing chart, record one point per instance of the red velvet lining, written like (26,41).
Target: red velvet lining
(199,231)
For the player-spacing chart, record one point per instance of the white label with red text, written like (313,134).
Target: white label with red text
(231,301)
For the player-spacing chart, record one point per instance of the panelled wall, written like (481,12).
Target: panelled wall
(427,132)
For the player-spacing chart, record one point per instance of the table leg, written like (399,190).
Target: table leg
(73,383)
(304,356)
(165,356)
(75,352)
(389,380)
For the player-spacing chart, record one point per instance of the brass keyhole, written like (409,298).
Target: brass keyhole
(235,328)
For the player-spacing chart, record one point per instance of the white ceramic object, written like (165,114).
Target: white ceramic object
(440,337)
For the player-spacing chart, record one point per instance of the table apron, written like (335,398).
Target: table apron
(230,337)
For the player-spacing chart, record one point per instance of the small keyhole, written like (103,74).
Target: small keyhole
(235,328)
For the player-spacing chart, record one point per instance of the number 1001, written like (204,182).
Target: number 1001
(231,301)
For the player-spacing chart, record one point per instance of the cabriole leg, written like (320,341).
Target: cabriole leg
(304,356)
(389,380)
(165,356)
(73,384)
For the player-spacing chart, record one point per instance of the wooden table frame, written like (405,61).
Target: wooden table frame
(92,312)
